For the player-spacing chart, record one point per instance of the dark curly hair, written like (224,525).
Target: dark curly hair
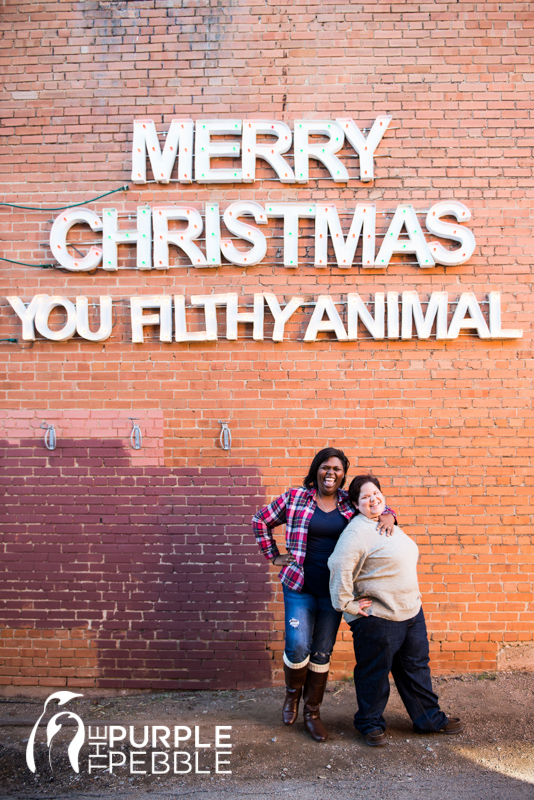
(356,487)
(310,481)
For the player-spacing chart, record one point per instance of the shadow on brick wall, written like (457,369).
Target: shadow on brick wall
(159,564)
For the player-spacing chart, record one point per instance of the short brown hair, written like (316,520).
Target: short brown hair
(357,483)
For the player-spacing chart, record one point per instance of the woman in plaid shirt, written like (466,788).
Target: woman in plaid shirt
(315,516)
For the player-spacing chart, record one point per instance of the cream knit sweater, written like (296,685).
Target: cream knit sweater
(381,568)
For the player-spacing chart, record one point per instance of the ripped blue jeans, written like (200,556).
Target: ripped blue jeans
(311,628)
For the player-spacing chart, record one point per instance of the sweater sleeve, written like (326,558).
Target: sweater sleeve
(345,564)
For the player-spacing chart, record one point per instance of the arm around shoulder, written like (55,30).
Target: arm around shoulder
(344,565)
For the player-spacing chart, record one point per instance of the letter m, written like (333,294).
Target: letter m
(179,142)
(436,310)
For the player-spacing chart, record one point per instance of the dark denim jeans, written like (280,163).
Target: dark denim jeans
(311,627)
(382,646)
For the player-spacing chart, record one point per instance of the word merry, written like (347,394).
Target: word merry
(248,149)
(393,318)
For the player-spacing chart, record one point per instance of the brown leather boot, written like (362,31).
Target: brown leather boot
(313,697)
(294,682)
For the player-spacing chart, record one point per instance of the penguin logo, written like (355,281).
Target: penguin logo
(53,728)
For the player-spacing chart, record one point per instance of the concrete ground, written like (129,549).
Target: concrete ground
(492,760)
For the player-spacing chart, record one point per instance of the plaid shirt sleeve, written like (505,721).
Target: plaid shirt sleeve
(265,520)
(294,507)
(388,510)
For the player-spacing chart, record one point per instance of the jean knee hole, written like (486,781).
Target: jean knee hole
(325,657)
(294,622)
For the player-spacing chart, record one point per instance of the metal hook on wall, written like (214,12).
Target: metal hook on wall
(226,437)
(50,435)
(136,437)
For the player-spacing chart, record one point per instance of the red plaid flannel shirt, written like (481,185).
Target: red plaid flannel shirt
(295,508)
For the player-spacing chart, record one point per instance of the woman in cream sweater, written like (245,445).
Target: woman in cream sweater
(373,581)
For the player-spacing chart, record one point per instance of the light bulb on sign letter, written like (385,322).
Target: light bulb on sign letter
(58,239)
(106,322)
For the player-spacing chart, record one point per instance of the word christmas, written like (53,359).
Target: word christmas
(404,235)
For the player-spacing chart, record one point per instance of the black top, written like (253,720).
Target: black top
(323,532)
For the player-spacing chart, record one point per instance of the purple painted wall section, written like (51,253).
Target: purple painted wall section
(158,566)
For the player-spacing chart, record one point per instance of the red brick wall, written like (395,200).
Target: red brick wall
(446,425)
(120,573)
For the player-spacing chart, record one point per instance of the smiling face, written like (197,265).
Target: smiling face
(330,476)
(371,502)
